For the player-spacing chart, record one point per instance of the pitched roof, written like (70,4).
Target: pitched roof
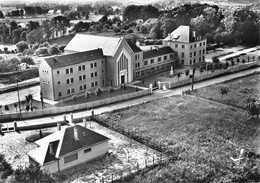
(83,42)
(75,58)
(182,34)
(63,142)
(157,52)
(134,47)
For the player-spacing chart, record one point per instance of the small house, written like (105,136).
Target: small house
(67,148)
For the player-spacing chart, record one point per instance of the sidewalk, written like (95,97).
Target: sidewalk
(156,95)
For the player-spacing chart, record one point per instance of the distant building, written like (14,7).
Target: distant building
(191,48)
(67,148)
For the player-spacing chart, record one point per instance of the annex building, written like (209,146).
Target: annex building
(96,61)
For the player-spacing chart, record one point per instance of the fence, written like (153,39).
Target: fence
(67,109)
(214,74)
(139,137)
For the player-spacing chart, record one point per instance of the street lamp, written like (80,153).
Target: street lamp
(18,96)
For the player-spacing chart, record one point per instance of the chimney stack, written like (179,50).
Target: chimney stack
(194,35)
(76,134)
(71,120)
(51,149)
(58,126)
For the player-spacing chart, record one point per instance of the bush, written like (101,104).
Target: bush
(5,168)
(129,31)
(42,51)
(27,60)
(21,46)
(116,30)
(54,49)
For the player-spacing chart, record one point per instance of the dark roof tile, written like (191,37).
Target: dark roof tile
(134,47)
(75,58)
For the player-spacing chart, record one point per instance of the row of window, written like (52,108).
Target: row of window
(191,46)
(152,70)
(194,53)
(194,60)
(152,61)
(80,68)
(46,82)
(45,72)
(73,157)
(136,57)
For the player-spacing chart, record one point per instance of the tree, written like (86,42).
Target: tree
(87,94)
(201,70)
(223,91)
(98,92)
(178,75)
(252,107)
(187,72)
(54,49)
(21,46)
(110,90)
(74,97)
(5,168)
(29,99)
(27,60)
(35,36)
(149,12)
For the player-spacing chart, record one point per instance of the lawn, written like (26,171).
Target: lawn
(202,134)
(239,90)
(124,153)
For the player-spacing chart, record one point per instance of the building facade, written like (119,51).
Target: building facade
(190,47)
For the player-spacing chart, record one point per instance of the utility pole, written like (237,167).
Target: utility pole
(193,73)
(18,97)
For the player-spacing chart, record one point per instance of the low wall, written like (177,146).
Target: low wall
(213,74)
(71,108)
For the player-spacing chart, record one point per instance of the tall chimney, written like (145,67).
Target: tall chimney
(170,37)
(51,149)
(194,35)
(58,126)
(76,134)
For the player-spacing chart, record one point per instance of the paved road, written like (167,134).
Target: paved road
(156,95)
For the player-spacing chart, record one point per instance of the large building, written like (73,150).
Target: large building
(191,48)
(92,61)
(67,148)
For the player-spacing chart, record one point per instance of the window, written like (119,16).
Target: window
(138,64)
(67,71)
(182,54)
(182,62)
(102,71)
(182,46)
(92,84)
(190,62)
(84,77)
(58,82)
(195,45)
(80,68)
(200,44)
(145,62)
(190,54)
(80,78)
(152,61)
(71,70)
(136,58)
(95,64)
(159,59)
(85,87)
(87,150)
(204,43)
(72,90)
(71,80)
(68,91)
(70,158)
(95,74)
(92,74)
(80,87)
(58,72)
(191,46)
(165,57)
(176,45)
(96,83)
(200,52)
(194,61)
(203,51)
(91,65)
(68,81)
(203,58)
(194,53)
(60,94)
(200,59)
(83,67)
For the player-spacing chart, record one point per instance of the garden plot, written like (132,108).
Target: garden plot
(125,155)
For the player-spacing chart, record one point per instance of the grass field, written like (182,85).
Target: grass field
(239,90)
(202,134)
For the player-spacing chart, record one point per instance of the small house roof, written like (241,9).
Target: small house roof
(63,142)
(134,47)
